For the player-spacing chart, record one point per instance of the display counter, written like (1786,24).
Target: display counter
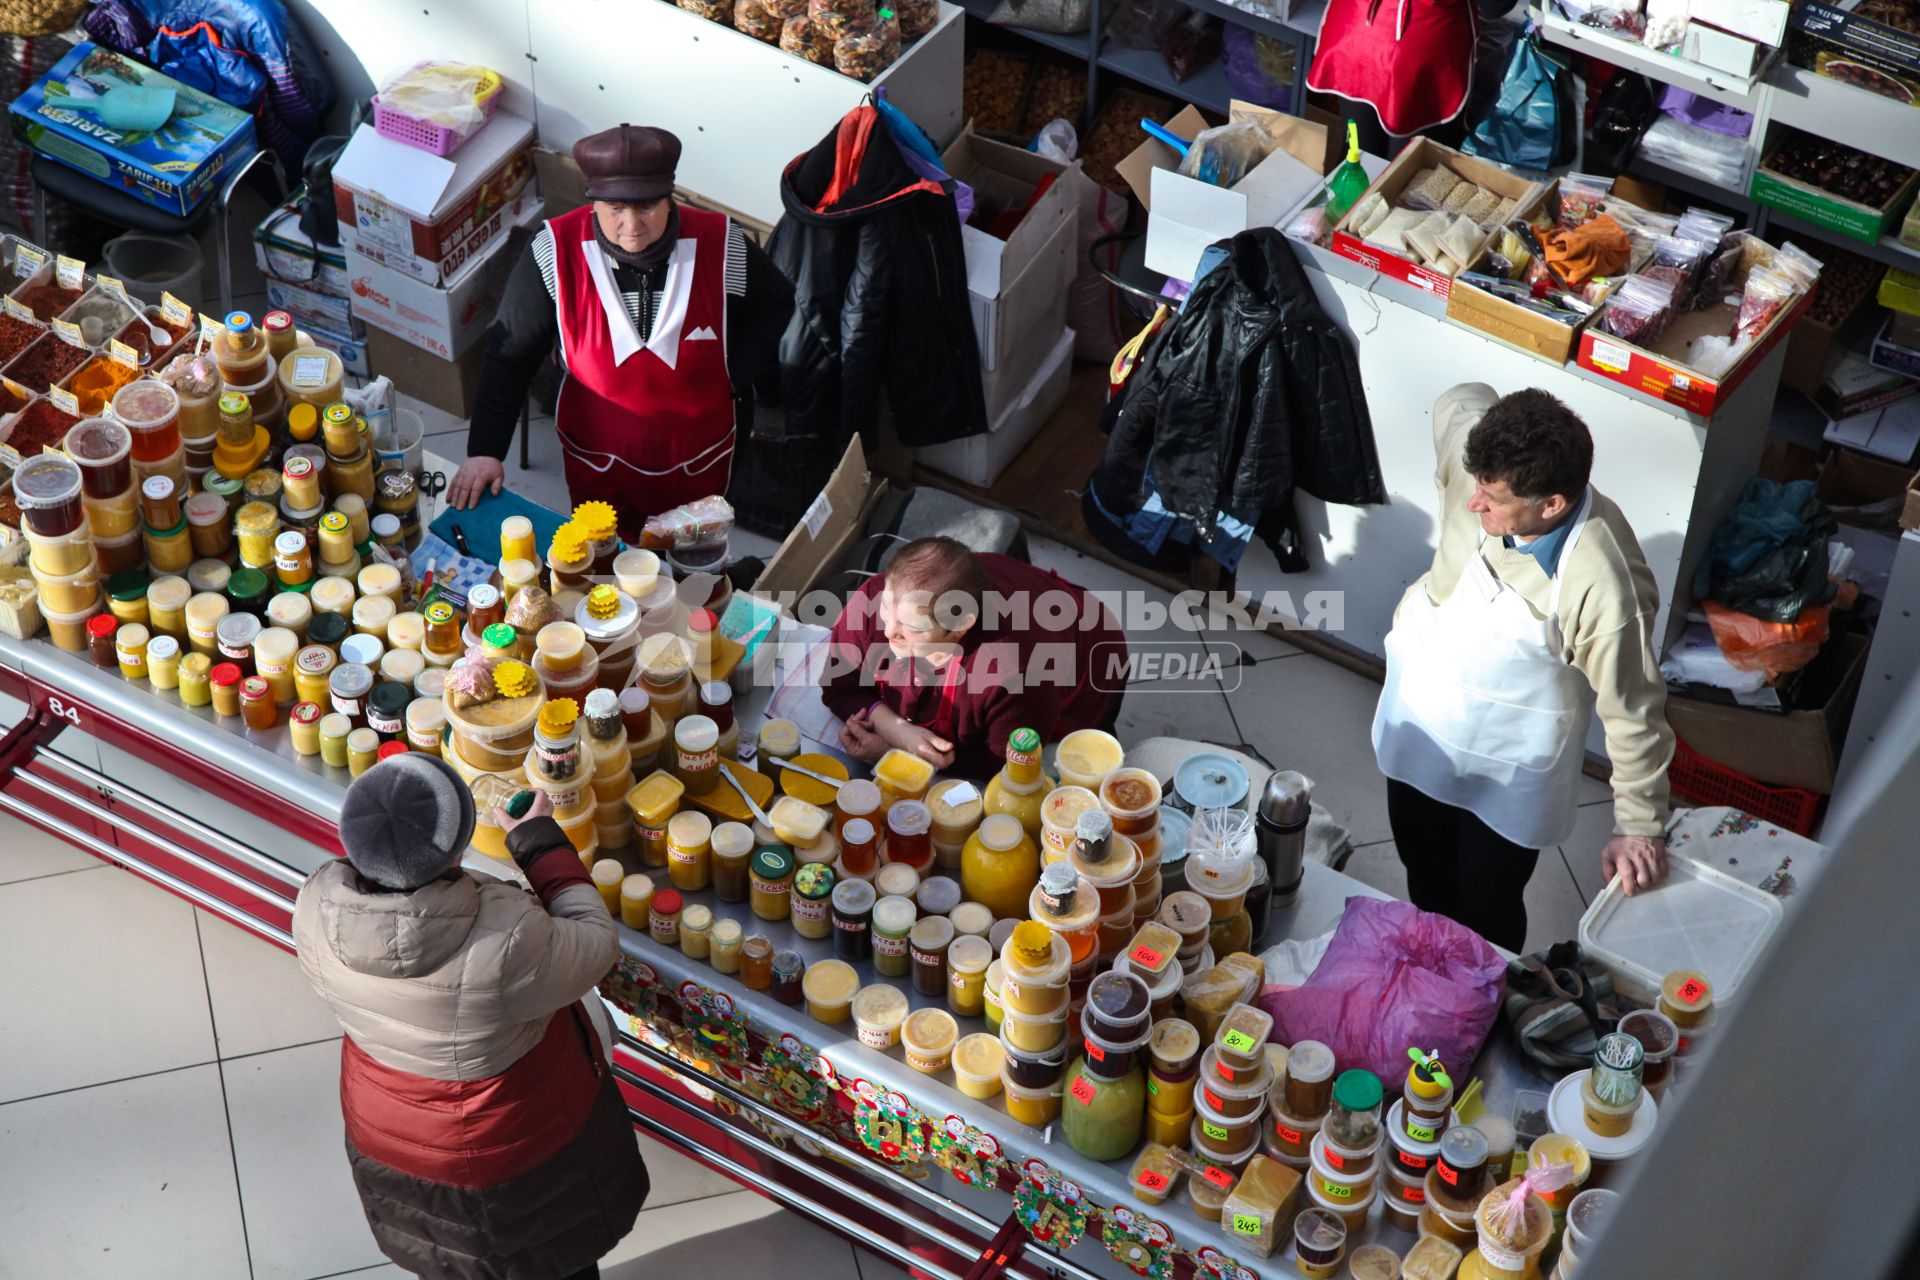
(901,1162)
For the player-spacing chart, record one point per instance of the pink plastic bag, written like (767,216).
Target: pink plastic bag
(1393,978)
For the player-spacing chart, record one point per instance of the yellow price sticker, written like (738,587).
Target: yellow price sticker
(1246,1224)
(1419,1133)
(1336,1191)
(1217,1132)
(1238,1041)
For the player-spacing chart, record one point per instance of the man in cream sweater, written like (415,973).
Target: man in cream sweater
(1537,612)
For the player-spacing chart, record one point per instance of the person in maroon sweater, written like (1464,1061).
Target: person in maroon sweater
(947,653)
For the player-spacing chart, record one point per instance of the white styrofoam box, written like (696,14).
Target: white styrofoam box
(444,321)
(1010,281)
(979,460)
(1721,50)
(1762,20)
(1031,351)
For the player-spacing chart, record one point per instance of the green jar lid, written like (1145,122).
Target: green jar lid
(1025,741)
(815,880)
(771,862)
(128,584)
(500,635)
(390,699)
(1358,1090)
(298,588)
(225,486)
(247,584)
(327,629)
(174,532)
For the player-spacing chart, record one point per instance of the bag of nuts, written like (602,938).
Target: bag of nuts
(835,18)
(803,39)
(864,54)
(752,18)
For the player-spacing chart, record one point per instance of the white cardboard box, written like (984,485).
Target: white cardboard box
(444,321)
(1185,215)
(425,215)
(1030,349)
(1011,281)
(1721,50)
(979,460)
(1762,20)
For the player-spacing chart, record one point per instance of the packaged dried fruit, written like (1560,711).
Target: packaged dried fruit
(801,38)
(835,18)
(751,17)
(864,54)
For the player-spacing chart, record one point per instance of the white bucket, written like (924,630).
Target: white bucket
(151,265)
(401,450)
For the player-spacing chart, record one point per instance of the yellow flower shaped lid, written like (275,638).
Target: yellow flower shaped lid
(598,520)
(570,543)
(558,716)
(603,601)
(514,679)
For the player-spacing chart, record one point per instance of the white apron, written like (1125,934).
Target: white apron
(1480,711)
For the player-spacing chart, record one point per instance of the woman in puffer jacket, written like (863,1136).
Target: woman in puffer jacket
(487,1138)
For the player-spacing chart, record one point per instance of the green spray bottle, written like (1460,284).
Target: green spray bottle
(1349,182)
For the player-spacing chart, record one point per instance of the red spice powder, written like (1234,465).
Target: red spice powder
(46,362)
(47,300)
(16,335)
(41,425)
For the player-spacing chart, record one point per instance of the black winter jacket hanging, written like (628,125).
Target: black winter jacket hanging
(880,294)
(1252,391)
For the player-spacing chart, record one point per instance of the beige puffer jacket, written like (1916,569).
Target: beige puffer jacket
(456,980)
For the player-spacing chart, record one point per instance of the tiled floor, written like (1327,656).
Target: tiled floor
(168,1100)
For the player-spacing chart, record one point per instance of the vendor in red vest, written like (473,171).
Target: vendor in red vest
(948,652)
(664,315)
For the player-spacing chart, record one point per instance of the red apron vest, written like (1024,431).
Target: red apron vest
(1410,60)
(644,423)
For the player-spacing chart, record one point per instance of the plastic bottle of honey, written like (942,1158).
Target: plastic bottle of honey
(1020,788)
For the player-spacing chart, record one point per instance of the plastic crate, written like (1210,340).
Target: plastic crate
(436,139)
(1704,782)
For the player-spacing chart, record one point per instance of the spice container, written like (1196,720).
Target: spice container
(1289,1135)
(1658,1036)
(893,921)
(1208,1188)
(1340,1179)
(1233,1093)
(771,883)
(967,961)
(878,1011)
(1309,1079)
(830,986)
(1227,1140)
(1685,998)
(1154,1174)
(853,903)
(928,1037)
(928,944)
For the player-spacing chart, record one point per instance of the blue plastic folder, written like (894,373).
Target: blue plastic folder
(481,525)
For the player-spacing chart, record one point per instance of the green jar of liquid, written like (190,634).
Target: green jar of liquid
(1101,1118)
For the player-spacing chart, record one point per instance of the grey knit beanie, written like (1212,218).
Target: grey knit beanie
(406,820)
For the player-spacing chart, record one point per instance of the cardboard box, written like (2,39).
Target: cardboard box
(1423,153)
(1012,281)
(1892,356)
(1662,372)
(1831,28)
(979,460)
(425,216)
(444,321)
(173,168)
(1762,20)
(445,384)
(1721,50)
(352,351)
(830,525)
(1850,479)
(314,308)
(1892,432)
(1790,749)
(1004,386)
(1540,336)
(1854,386)
(1185,215)
(1827,210)
(283,251)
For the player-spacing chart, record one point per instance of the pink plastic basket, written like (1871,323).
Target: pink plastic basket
(436,139)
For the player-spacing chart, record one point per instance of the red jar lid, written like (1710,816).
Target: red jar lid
(305,713)
(702,620)
(254,688)
(225,673)
(390,749)
(666,902)
(102,626)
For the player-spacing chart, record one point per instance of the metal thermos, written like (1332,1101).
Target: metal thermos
(1281,820)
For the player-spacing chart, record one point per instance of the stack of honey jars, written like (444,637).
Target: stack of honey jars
(1345,1165)
(1173,1067)
(48,490)
(242,351)
(558,764)
(605,742)
(491,737)
(1034,966)
(1416,1124)
(1230,1095)
(1131,797)
(349,465)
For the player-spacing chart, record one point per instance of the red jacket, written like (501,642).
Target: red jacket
(1034,665)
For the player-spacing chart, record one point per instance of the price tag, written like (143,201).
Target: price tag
(1095,1052)
(69,332)
(211,328)
(1213,1099)
(1151,1181)
(1611,356)
(175,311)
(1335,1190)
(28,260)
(1083,1091)
(1239,1042)
(1691,990)
(64,400)
(1226,1072)
(1286,1134)
(310,371)
(817,515)
(70,272)
(16,388)
(112,282)
(1217,1132)
(1153,1087)
(1218,1177)
(20,310)
(1416,1194)
(1419,1132)
(1449,1176)
(121,353)
(1146,956)
(1246,1224)
(1333,1160)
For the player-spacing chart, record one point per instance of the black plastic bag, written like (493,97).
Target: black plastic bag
(1626,110)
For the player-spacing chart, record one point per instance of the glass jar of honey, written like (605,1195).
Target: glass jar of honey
(689,850)
(256,703)
(771,883)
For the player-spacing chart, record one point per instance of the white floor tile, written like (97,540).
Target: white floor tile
(1554,904)
(261,1000)
(1151,617)
(678,1178)
(27,853)
(1315,716)
(132,1179)
(1169,711)
(303,1215)
(1591,831)
(736,1235)
(103,981)
(1379,865)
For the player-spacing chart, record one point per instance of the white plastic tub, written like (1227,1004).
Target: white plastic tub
(1697,918)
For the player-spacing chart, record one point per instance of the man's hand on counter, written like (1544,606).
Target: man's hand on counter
(476,478)
(1639,861)
(859,739)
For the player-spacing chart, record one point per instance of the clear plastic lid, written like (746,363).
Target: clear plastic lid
(145,404)
(732,839)
(1309,1062)
(1000,832)
(893,915)
(98,442)
(46,480)
(851,897)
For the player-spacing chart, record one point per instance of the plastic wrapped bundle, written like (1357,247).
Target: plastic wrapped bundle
(1391,234)
(1460,197)
(1368,213)
(1461,242)
(1425,236)
(1482,208)
(1429,188)
(720,11)
(1639,309)
(751,17)
(801,38)
(835,18)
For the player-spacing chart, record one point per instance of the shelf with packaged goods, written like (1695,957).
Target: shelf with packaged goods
(1074,45)
(1826,108)
(1303,21)
(1206,88)
(1888,249)
(1690,183)
(1720,86)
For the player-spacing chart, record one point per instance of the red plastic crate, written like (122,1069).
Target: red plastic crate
(1705,782)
